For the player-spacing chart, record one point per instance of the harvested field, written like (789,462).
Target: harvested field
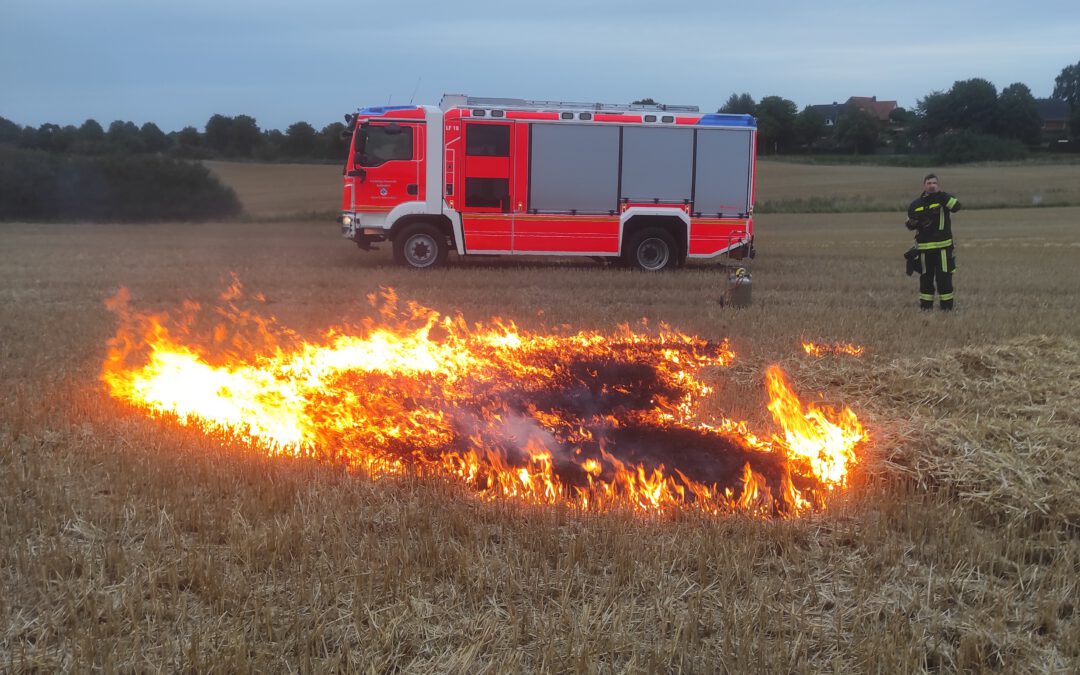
(789,187)
(142,545)
(276,190)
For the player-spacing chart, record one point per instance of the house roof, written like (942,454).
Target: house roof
(1052,109)
(879,109)
(830,111)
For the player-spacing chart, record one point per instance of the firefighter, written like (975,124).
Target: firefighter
(928,216)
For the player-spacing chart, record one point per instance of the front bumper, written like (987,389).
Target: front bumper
(352,227)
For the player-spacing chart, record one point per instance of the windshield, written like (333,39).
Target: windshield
(377,145)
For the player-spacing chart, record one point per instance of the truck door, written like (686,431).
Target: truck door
(487,178)
(387,165)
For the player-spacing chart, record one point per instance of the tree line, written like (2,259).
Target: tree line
(223,137)
(971,121)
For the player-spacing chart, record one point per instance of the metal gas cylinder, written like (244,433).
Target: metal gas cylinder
(739,287)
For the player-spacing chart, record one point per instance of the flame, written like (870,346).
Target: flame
(588,419)
(823,439)
(817,349)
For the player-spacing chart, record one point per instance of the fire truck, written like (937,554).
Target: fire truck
(648,186)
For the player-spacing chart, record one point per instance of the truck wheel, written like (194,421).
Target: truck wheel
(420,246)
(652,250)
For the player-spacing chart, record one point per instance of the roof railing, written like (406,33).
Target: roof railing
(463,101)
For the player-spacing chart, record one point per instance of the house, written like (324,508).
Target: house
(879,109)
(1054,114)
(832,111)
(829,111)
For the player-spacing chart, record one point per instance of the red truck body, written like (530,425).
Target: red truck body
(647,185)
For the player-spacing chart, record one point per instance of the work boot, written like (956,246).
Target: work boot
(926,305)
(946,305)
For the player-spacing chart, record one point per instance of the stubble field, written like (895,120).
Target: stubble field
(133,544)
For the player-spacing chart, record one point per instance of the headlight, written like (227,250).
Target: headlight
(346,221)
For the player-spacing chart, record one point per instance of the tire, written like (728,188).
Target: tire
(421,246)
(652,250)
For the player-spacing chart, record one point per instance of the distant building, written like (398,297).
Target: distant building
(832,111)
(829,111)
(1054,114)
(879,109)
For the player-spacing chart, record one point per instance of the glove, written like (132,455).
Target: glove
(911,224)
(913,261)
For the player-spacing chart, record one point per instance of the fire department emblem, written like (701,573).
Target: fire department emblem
(383,191)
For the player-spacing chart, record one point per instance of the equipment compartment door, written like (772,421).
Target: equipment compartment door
(487,186)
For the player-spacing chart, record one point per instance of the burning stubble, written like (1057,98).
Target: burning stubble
(592,420)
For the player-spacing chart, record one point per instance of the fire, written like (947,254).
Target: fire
(588,419)
(817,349)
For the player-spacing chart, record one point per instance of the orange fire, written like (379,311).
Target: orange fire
(592,420)
(817,349)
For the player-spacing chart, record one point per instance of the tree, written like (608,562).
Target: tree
(91,132)
(809,127)
(219,133)
(902,116)
(739,104)
(9,131)
(334,141)
(858,129)
(973,104)
(643,101)
(124,137)
(300,140)
(272,146)
(933,113)
(153,138)
(1067,85)
(46,137)
(1018,114)
(27,138)
(188,137)
(187,143)
(776,123)
(245,136)
(52,138)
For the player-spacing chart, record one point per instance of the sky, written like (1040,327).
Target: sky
(178,63)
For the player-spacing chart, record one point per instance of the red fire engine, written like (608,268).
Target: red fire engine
(647,185)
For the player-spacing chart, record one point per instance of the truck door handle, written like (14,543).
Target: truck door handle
(358,173)
(412,188)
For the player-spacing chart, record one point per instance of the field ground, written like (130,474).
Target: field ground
(135,545)
(277,190)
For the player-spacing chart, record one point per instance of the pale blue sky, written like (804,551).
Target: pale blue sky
(176,64)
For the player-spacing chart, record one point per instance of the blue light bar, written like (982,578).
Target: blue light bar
(727,120)
(379,110)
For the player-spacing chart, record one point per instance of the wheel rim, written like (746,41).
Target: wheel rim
(421,250)
(653,253)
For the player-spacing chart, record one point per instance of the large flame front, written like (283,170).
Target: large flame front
(587,419)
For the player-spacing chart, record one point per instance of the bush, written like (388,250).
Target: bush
(968,146)
(41,186)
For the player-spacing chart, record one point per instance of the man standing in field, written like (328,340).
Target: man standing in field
(929,217)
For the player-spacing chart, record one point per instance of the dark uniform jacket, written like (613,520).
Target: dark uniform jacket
(929,217)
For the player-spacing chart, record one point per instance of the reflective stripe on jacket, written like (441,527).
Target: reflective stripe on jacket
(932,212)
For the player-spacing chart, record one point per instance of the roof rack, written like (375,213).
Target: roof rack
(463,101)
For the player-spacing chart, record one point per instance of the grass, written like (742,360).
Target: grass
(131,544)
